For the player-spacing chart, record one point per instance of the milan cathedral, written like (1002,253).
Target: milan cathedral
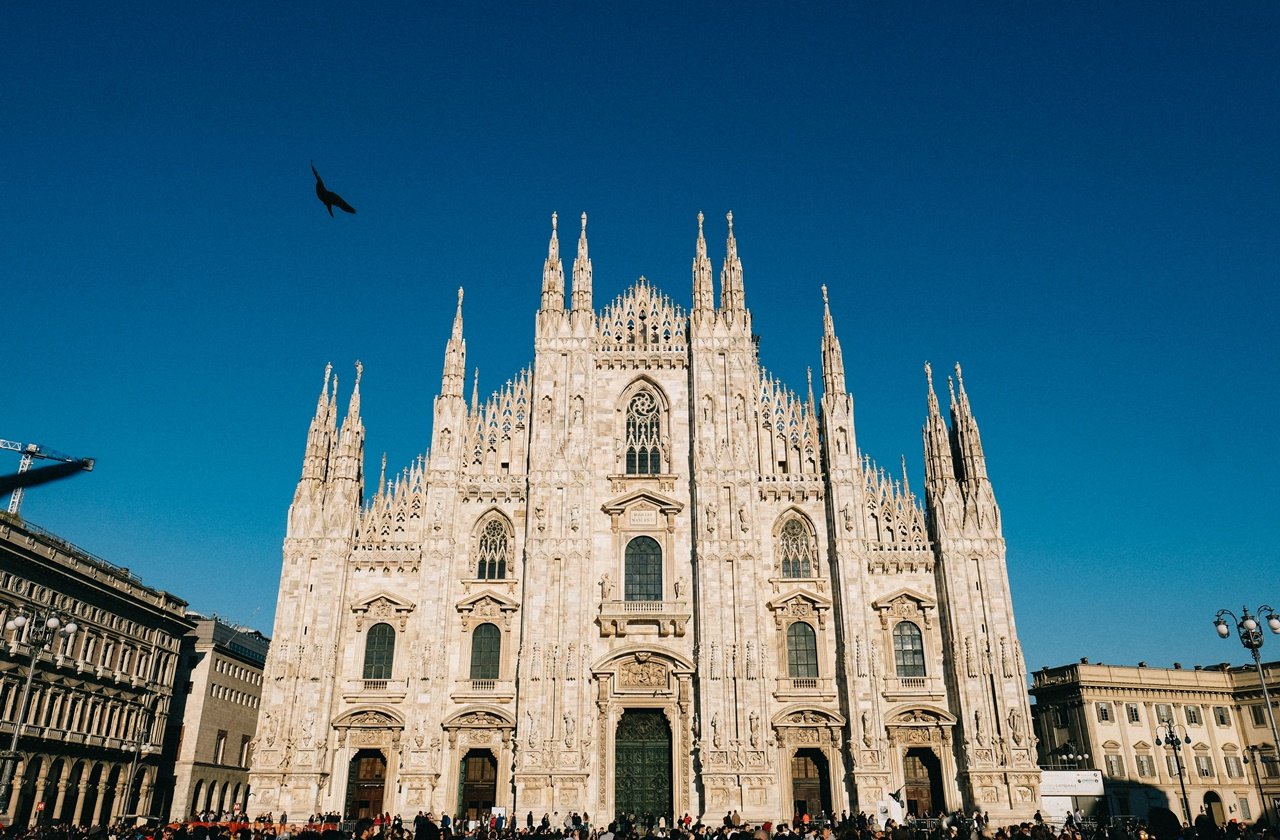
(644,576)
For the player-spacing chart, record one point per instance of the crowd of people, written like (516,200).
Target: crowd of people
(579,826)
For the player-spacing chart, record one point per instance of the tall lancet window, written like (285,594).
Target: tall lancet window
(493,550)
(797,550)
(644,435)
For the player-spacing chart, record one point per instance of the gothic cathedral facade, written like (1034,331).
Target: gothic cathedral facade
(644,576)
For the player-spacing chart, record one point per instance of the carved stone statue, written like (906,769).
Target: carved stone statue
(568,729)
(715,730)
(753,724)
(606,587)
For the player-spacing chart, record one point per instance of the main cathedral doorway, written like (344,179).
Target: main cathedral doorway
(642,765)
(810,783)
(478,785)
(922,791)
(367,779)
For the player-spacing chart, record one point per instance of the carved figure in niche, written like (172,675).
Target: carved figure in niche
(712,512)
(715,730)
(420,732)
(753,725)
(866,730)
(744,523)
(437,513)
(847,517)
(978,734)
(1015,726)
(738,407)
(575,517)
(435,751)
(533,727)
(540,516)
(682,586)
(268,729)
(568,729)
(606,587)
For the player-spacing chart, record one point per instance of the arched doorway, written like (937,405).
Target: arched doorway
(91,794)
(1213,807)
(810,783)
(478,785)
(68,812)
(27,793)
(922,782)
(368,778)
(642,764)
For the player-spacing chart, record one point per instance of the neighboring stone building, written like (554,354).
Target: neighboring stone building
(100,698)
(219,692)
(1113,713)
(644,575)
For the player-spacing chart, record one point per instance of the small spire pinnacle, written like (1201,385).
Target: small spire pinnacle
(323,402)
(553,273)
(455,358)
(353,408)
(582,272)
(475,390)
(457,317)
(704,299)
(382,476)
(808,375)
(933,398)
(731,289)
(906,481)
(832,356)
(951,387)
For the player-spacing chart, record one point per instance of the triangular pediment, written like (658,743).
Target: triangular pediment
(642,497)
(1142,745)
(382,607)
(501,602)
(788,600)
(922,600)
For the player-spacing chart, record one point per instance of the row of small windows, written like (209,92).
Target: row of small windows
(223,692)
(1164,713)
(1202,765)
(230,669)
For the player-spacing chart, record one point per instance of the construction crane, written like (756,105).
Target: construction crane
(29,452)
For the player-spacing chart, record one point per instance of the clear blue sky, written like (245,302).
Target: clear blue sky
(1078,201)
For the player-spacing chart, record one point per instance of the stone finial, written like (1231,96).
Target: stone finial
(928,374)
(553,221)
(584,221)
(700,221)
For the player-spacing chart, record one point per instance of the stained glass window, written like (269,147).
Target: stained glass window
(908,650)
(797,550)
(643,570)
(379,652)
(802,650)
(493,551)
(486,652)
(644,435)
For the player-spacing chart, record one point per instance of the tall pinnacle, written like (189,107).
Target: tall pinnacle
(455,357)
(938,464)
(353,407)
(703,290)
(732,296)
(968,443)
(582,273)
(553,273)
(832,356)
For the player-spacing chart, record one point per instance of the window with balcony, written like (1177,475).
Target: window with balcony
(908,650)
(379,652)
(493,550)
(797,549)
(802,651)
(643,572)
(486,652)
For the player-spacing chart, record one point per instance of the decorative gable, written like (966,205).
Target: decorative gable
(382,607)
(905,605)
(487,606)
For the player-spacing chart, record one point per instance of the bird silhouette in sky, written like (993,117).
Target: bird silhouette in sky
(331,199)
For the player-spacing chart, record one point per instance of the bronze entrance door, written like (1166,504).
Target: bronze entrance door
(367,780)
(810,783)
(479,784)
(922,791)
(642,764)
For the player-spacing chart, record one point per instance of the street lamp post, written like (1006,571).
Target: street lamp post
(1250,633)
(1174,741)
(1256,761)
(38,630)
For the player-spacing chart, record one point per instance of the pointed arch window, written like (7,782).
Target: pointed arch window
(379,652)
(802,651)
(493,550)
(908,650)
(644,435)
(486,652)
(796,545)
(643,572)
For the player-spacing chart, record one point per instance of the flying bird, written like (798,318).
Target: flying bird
(329,198)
